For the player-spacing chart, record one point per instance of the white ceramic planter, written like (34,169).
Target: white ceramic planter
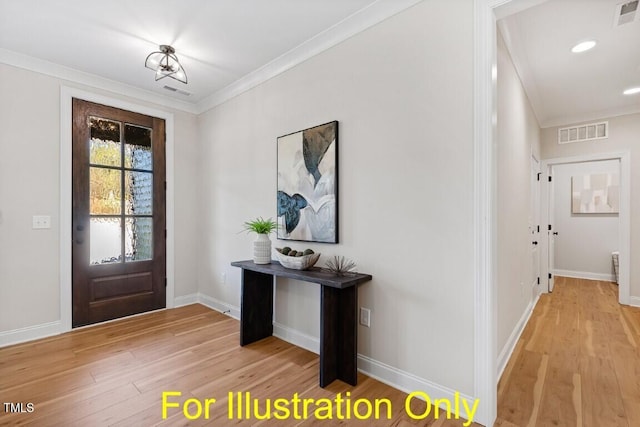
(262,249)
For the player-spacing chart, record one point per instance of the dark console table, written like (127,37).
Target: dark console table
(338,326)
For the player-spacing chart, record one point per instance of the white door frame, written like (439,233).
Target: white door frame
(624,217)
(485,199)
(66,117)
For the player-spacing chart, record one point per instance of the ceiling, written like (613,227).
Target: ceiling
(228,46)
(220,43)
(564,87)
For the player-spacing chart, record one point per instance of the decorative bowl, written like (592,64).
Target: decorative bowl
(297,262)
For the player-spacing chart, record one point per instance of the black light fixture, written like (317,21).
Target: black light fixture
(165,63)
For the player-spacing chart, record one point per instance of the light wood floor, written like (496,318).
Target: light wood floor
(115,373)
(577,362)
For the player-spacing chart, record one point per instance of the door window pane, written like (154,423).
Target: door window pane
(104,146)
(106,240)
(137,149)
(139,239)
(105,196)
(138,190)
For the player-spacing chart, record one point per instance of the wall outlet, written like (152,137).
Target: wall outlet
(41,222)
(365,317)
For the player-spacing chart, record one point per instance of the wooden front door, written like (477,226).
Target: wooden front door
(119,257)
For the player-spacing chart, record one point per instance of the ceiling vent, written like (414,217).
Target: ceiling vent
(180,91)
(625,13)
(582,133)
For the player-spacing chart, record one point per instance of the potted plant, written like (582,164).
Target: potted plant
(262,244)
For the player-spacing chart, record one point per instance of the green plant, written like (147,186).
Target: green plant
(260,226)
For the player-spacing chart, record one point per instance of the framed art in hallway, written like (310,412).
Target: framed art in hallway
(595,193)
(307,196)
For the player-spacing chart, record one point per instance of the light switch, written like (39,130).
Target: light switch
(41,222)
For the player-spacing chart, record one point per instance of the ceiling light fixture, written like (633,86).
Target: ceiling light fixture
(583,46)
(632,91)
(165,63)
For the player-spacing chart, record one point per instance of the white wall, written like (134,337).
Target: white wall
(402,92)
(585,241)
(624,135)
(518,136)
(29,185)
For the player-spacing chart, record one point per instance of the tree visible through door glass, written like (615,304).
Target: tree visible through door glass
(121,192)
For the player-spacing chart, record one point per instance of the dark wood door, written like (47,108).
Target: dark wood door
(119,231)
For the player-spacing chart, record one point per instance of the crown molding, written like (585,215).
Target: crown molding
(348,27)
(72,75)
(355,23)
(589,117)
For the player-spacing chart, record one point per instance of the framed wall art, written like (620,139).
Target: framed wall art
(595,193)
(308,184)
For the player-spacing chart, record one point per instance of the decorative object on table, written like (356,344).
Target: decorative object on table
(262,244)
(296,260)
(339,265)
(595,193)
(308,184)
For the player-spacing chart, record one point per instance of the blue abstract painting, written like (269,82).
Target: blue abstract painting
(308,184)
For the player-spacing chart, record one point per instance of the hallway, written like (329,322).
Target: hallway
(577,362)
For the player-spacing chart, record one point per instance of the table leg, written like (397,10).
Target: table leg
(256,306)
(338,335)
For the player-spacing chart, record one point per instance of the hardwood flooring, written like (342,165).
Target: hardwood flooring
(115,374)
(577,362)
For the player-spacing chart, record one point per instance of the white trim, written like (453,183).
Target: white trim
(217,305)
(359,21)
(408,383)
(624,216)
(348,27)
(41,66)
(30,333)
(485,197)
(510,345)
(183,300)
(610,277)
(296,337)
(66,96)
(634,301)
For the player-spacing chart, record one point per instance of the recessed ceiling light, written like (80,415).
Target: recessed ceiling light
(632,91)
(583,46)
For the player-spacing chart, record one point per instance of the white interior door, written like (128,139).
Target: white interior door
(551,232)
(534,224)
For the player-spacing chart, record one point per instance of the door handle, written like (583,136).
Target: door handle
(555,233)
(535,243)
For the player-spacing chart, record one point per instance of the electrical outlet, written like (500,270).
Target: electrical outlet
(365,317)
(41,222)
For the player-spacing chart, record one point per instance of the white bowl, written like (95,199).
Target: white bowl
(297,262)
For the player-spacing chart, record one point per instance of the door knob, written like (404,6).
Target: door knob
(535,243)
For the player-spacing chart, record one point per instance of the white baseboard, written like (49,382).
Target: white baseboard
(408,382)
(30,333)
(185,300)
(217,305)
(297,338)
(585,275)
(507,350)
(634,301)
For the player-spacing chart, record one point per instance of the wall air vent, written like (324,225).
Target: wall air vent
(582,133)
(625,13)
(180,91)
